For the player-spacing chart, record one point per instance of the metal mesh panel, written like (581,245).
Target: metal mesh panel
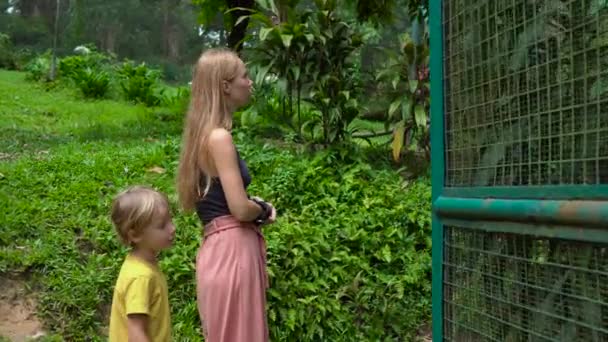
(505,287)
(526,92)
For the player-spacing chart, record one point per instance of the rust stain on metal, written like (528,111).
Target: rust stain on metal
(570,210)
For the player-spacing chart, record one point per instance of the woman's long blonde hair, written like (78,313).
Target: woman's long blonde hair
(208,110)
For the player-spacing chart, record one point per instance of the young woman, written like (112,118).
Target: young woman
(231,277)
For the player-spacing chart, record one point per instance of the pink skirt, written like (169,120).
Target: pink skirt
(231,282)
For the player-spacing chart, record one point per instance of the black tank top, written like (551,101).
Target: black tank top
(214,204)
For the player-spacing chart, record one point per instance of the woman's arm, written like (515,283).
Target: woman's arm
(223,152)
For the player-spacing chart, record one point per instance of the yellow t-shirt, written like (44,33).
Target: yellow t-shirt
(141,288)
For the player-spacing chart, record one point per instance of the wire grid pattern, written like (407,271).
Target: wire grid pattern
(506,287)
(526,92)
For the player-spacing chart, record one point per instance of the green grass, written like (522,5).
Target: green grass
(36,119)
(349,257)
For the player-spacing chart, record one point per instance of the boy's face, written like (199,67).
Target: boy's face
(159,235)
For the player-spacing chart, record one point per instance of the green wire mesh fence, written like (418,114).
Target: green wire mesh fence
(526,104)
(510,287)
(526,84)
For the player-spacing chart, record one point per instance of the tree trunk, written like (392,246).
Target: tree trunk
(283,11)
(54,57)
(174,45)
(238,32)
(171,34)
(166,27)
(110,40)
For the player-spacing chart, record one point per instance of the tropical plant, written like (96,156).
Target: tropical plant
(94,83)
(38,68)
(139,83)
(310,51)
(407,74)
(73,64)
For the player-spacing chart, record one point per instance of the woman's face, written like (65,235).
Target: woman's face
(238,90)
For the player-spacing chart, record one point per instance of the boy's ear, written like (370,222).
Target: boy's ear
(134,238)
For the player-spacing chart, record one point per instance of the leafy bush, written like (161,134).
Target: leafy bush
(38,68)
(89,71)
(71,66)
(22,56)
(93,83)
(139,83)
(178,101)
(350,257)
(174,105)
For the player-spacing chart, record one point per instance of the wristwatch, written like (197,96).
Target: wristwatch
(265,214)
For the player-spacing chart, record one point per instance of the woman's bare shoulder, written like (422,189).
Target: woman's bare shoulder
(220,136)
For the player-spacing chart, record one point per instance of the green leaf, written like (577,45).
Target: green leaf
(598,89)
(268,5)
(413,85)
(495,153)
(264,32)
(394,106)
(262,72)
(600,41)
(286,38)
(420,116)
(406,109)
(397,145)
(386,253)
(241,19)
(295,70)
(395,81)
(596,6)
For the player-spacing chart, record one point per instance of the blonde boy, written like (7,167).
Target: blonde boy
(140,305)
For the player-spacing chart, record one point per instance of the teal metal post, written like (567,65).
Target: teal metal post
(437,159)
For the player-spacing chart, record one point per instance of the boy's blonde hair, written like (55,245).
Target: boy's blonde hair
(134,209)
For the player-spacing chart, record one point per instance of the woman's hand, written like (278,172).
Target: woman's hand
(273,212)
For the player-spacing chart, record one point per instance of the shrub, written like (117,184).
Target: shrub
(38,68)
(350,256)
(139,83)
(178,101)
(93,83)
(174,104)
(89,70)
(73,64)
